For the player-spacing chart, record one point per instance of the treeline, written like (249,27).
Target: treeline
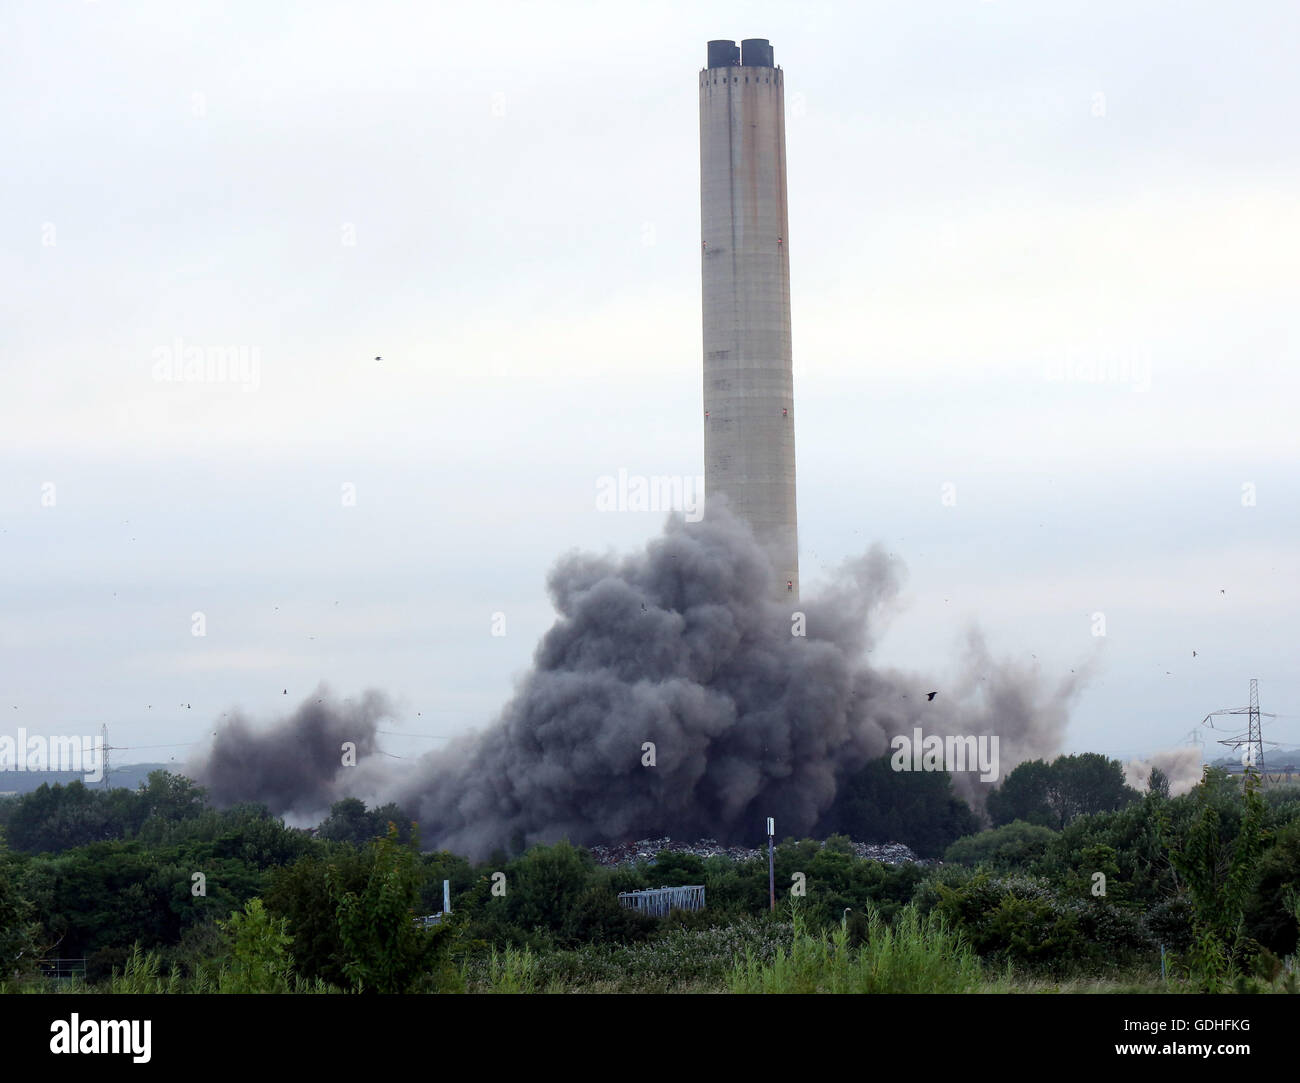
(877,804)
(1080,877)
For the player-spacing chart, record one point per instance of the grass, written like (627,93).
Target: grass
(915,954)
(512,971)
(142,973)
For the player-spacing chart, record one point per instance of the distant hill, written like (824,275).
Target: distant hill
(129,776)
(1281,762)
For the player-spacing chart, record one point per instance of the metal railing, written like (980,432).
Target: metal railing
(659,901)
(63,969)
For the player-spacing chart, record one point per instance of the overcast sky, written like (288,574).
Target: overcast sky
(1043,253)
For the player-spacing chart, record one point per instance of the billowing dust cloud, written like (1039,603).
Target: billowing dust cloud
(299,766)
(1180,764)
(671,697)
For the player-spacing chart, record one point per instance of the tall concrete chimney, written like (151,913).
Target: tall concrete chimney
(745,242)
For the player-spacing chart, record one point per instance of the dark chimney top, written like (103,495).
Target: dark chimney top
(723,53)
(751,53)
(756,53)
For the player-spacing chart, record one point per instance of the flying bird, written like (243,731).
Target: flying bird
(378,358)
(931,695)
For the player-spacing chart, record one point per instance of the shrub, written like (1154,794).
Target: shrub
(1011,846)
(917,954)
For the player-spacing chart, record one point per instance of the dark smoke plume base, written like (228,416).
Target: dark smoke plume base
(681,645)
(296,767)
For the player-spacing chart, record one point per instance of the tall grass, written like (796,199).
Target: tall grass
(675,961)
(511,971)
(915,954)
(142,973)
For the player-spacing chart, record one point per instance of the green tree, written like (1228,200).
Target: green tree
(544,884)
(1054,795)
(350,821)
(1023,796)
(1086,784)
(259,952)
(19,931)
(55,818)
(384,950)
(168,797)
(674,869)
(1217,876)
(598,917)
(1012,918)
(1158,783)
(1011,846)
(1271,917)
(916,808)
(305,894)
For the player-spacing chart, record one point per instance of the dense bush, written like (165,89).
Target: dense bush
(678,959)
(1010,846)
(1271,917)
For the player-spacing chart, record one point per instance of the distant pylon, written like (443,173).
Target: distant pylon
(1253,739)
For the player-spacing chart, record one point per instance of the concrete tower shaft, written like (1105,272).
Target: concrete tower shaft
(748,365)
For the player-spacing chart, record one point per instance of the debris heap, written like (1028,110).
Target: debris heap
(630,853)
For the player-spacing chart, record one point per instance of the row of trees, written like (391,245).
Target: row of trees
(875,804)
(1056,794)
(1212,876)
(51,819)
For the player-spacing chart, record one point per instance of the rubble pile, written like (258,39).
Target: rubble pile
(630,853)
(888,853)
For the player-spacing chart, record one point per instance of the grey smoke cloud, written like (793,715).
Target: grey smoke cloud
(1181,764)
(683,646)
(295,766)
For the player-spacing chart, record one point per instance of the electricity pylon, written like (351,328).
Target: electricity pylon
(1252,740)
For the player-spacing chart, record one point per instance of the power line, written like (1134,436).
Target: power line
(1253,739)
